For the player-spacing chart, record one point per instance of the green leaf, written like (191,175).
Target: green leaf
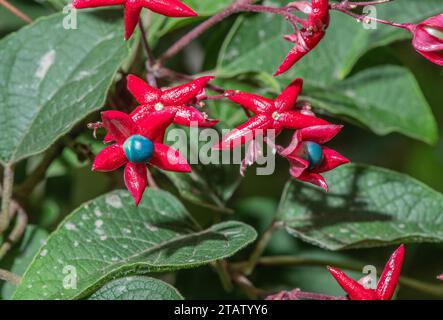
(52,77)
(384,98)
(110,237)
(209,186)
(210,183)
(366,207)
(137,288)
(252,47)
(20,256)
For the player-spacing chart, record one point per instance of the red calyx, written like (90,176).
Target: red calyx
(428,38)
(169,8)
(309,36)
(277,114)
(385,286)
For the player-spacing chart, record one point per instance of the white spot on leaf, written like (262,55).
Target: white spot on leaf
(70,226)
(45,63)
(114,201)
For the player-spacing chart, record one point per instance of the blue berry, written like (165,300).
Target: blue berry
(313,153)
(138,149)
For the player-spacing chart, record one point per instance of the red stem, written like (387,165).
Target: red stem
(150,65)
(237,6)
(362,18)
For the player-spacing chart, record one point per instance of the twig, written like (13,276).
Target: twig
(20,14)
(247,287)
(221,267)
(10,277)
(8,182)
(151,181)
(432,289)
(365,18)
(351,4)
(150,65)
(197,31)
(260,247)
(18,230)
(39,172)
(297,294)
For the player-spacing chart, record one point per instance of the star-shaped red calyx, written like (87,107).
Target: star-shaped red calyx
(385,287)
(308,157)
(276,114)
(169,8)
(136,144)
(178,99)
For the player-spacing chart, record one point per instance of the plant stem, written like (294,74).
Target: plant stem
(221,267)
(284,12)
(247,287)
(297,294)
(151,181)
(197,31)
(150,65)
(38,174)
(18,230)
(367,3)
(10,277)
(364,18)
(432,289)
(8,182)
(17,12)
(260,247)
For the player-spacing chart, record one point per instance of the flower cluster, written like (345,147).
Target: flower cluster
(136,140)
(138,137)
(137,143)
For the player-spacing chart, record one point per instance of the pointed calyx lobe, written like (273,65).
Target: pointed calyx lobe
(308,37)
(308,157)
(277,114)
(179,100)
(132,8)
(428,38)
(136,145)
(385,287)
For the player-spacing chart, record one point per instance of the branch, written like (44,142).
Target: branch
(260,247)
(20,14)
(247,287)
(432,289)
(9,277)
(18,230)
(150,65)
(39,172)
(365,18)
(8,182)
(196,32)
